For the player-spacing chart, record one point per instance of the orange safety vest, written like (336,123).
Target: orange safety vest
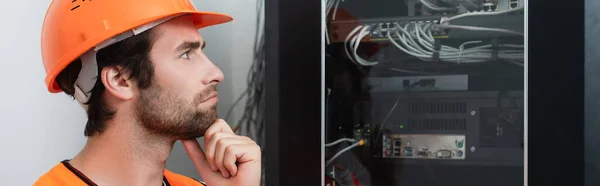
(64,174)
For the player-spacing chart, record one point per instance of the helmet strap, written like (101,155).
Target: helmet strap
(87,78)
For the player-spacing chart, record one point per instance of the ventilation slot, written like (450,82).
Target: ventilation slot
(437,124)
(438,107)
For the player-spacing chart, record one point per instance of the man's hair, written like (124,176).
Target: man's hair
(132,55)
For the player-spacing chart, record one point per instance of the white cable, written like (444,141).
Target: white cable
(327,35)
(341,152)
(419,42)
(403,49)
(413,51)
(357,39)
(403,39)
(326,28)
(412,40)
(346,42)
(444,20)
(356,42)
(337,3)
(444,47)
(329,6)
(339,141)
(420,39)
(422,32)
(433,7)
(474,28)
(429,34)
(430,39)
(462,47)
(447,53)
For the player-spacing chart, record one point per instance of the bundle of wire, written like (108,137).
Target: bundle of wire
(329,6)
(332,5)
(437,8)
(339,153)
(355,42)
(416,39)
(479,13)
(252,122)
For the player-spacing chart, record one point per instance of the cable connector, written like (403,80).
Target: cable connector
(443,20)
(359,143)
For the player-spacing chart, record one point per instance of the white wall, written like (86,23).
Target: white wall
(34,135)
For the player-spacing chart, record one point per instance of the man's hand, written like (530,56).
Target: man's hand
(229,159)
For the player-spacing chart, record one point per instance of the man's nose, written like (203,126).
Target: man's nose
(214,75)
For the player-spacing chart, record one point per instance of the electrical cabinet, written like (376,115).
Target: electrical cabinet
(423,92)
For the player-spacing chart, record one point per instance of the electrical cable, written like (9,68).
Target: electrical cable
(359,143)
(384,122)
(356,42)
(329,5)
(402,48)
(252,122)
(348,38)
(474,28)
(339,141)
(436,8)
(237,101)
(418,41)
(444,20)
(387,117)
(335,8)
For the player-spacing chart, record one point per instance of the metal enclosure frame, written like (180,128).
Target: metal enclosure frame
(592,93)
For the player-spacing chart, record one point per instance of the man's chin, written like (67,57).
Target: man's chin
(197,129)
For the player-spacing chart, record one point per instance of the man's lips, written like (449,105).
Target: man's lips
(213,95)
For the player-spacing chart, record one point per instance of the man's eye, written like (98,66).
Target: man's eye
(186,55)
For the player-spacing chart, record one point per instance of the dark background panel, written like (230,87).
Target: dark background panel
(293,92)
(555,96)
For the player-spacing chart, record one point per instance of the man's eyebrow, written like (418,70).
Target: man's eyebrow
(190,45)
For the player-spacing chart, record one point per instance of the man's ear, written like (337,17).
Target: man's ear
(116,82)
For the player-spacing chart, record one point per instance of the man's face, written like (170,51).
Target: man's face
(181,101)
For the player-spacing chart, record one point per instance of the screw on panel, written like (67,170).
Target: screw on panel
(472,148)
(473,113)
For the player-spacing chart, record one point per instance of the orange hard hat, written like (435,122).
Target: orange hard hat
(71,28)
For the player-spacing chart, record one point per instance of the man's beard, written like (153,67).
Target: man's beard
(165,113)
